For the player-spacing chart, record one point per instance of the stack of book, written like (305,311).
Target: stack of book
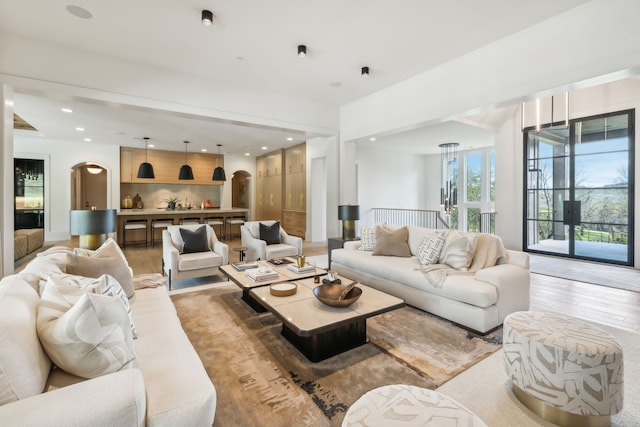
(244,265)
(261,274)
(306,269)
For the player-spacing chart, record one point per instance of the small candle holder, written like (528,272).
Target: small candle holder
(316,278)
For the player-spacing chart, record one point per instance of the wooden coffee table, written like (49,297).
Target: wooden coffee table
(318,330)
(246,283)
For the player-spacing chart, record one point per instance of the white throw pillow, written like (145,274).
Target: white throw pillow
(367,238)
(88,339)
(109,286)
(430,248)
(458,250)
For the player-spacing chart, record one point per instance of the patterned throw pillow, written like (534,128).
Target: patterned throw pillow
(110,287)
(429,248)
(458,250)
(88,339)
(367,238)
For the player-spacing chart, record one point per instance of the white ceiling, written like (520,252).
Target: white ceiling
(252,44)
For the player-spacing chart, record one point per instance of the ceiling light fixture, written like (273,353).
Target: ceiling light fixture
(207,18)
(364,71)
(302,51)
(88,140)
(218,172)
(80,129)
(449,177)
(94,169)
(185,170)
(289,139)
(145,170)
(66,110)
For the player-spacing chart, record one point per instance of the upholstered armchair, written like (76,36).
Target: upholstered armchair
(192,250)
(268,240)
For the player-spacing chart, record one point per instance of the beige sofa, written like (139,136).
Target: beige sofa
(478,300)
(167,387)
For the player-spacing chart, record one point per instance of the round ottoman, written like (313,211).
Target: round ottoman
(566,370)
(405,405)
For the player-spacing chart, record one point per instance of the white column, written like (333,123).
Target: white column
(348,179)
(6,181)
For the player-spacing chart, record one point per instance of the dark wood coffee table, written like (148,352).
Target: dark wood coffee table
(318,330)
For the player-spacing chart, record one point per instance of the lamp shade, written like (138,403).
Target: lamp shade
(219,175)
(185,172)
(82,222)
(145,170)
(349,212)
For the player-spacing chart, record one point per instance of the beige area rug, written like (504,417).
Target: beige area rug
(486,390)
(262,380)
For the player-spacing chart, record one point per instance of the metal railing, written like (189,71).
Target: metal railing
(488,222)
(417,217)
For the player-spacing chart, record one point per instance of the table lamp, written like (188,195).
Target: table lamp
(92,226)
(349,214)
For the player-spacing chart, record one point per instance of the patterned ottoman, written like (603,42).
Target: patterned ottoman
(566,370)
(405,405)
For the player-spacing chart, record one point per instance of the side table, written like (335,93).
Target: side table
(336,243)
(240,251)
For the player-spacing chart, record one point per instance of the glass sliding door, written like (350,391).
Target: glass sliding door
(579,192)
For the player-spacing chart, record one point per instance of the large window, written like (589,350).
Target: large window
(477,173)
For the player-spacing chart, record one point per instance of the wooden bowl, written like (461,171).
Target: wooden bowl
(283,289)
(329,294)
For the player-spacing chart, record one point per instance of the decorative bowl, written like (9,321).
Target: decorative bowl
(329,294)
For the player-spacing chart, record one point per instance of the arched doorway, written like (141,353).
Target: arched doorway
(88,187)
(241,189)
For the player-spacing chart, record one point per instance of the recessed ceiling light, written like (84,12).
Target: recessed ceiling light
(247,154)
(264,148)
(372,139)
(335,84)
(289,139)
(204,150)
(87,140)
(80,129)
(78,11)
(240,58)
(66,110)
(364,72)
(151,146)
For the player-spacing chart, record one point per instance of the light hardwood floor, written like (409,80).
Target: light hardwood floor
(615,307)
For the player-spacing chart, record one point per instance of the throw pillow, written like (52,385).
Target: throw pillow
(95,266)
(458,250)
(270,233)
(194,241)
(88,339)
(429,248)
(392,242)
(111,288)
(367,238)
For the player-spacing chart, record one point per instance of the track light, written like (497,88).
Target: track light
(207,17)
(302,51)
(365,72)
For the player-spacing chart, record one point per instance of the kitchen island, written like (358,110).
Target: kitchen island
(174,215)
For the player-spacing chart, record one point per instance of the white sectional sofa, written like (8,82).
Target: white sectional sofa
(165,385)
(477,300)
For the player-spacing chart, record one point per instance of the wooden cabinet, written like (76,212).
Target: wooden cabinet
(294,222)
(166,166)
(269,186)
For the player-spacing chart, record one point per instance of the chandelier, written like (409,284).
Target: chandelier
(449,176)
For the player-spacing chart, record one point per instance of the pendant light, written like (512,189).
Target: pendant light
(449,177)
(185,170)
(145,170)
(218,173)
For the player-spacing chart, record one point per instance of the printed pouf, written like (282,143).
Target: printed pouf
(405,405)
(565,362)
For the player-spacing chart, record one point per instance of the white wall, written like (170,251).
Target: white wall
(231,165)
(6,180)
(62,156)
(322,157)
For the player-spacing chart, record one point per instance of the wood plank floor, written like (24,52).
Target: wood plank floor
(615,307)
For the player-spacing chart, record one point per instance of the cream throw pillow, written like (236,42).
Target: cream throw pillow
(88,339)
(392,242)
(430,248)
(96,266)
(458,250)
(367,238)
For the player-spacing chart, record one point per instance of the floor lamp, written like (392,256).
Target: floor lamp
(92,226)
(349,214)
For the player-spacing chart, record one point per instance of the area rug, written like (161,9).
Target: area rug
(262,380)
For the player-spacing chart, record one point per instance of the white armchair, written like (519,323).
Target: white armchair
(196,256)
(259,249)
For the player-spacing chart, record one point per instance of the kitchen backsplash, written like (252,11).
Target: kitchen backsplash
(154,195)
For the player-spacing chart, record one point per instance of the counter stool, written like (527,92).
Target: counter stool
(231,221)
(134,224)
(184,221)
(158,224)
(566,370)
(216,221)
(408,405)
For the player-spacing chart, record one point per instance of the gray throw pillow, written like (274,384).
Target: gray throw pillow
(392,242)
(194,241)
(270,233)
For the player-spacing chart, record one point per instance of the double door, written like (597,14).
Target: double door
(579,188)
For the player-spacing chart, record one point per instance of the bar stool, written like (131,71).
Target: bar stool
(189,221)
(158,224)
(216,221)
(134,224)
(231,221)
